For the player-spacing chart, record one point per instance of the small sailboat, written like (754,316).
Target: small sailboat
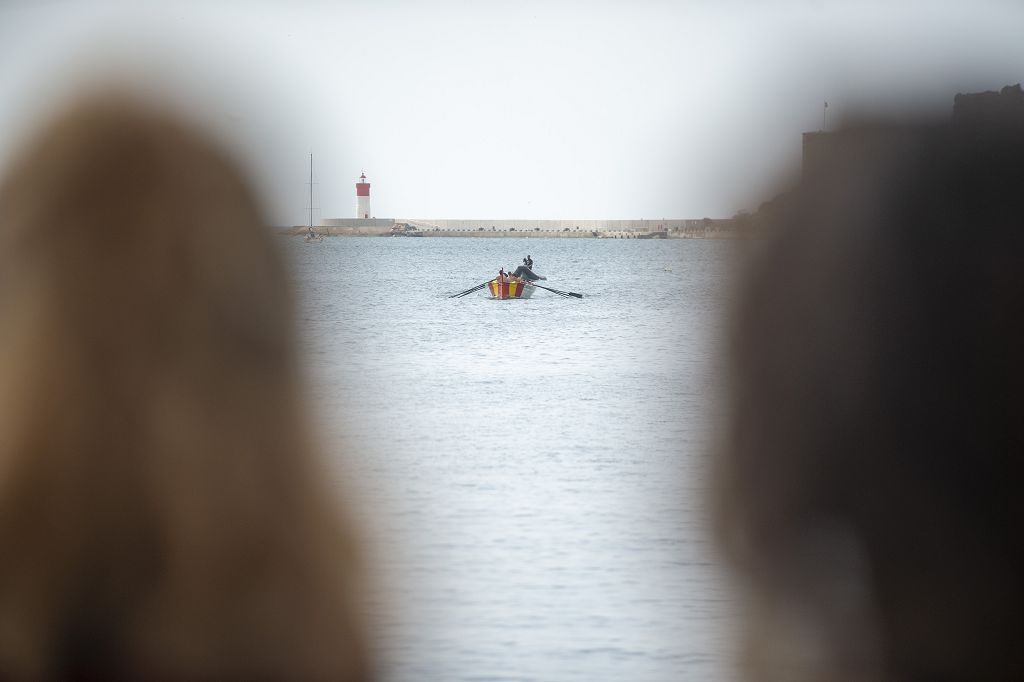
(311,234)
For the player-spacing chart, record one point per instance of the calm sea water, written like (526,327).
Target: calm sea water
(531,474)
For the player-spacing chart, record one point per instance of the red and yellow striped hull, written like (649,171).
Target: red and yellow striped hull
(506,290)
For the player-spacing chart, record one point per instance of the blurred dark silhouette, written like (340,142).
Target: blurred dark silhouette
(162,512)
(870,491)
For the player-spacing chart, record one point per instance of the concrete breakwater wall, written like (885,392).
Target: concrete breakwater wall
(528,225)
(618,229)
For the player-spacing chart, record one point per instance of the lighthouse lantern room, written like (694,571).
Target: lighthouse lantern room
(362,197)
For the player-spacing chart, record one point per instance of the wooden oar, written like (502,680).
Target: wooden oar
(471,290)
(564,294)
(559,293)
(474,289)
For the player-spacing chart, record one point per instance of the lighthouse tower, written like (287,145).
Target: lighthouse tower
(362,197)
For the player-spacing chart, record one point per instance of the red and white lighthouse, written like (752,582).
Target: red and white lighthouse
(362,197)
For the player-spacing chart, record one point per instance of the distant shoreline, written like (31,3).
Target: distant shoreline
(719,230)
(561,228)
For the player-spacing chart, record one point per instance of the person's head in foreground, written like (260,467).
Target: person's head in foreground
(162,514)
(870,494)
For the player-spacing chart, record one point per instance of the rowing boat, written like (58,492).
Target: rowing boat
(510,288)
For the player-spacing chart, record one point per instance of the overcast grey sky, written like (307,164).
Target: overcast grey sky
(511,110)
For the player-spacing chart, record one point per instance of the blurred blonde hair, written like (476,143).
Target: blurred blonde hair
(162,513)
